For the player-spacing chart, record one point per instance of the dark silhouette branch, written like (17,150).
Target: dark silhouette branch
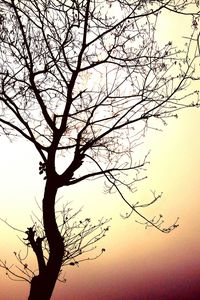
(79,236)
(84,81)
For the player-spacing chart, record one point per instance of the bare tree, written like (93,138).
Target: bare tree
(79,238)
(84,79)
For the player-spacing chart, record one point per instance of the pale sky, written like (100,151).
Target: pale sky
(137,262)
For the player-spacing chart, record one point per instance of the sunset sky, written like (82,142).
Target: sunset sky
(138,264)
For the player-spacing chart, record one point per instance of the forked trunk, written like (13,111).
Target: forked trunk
(42,286)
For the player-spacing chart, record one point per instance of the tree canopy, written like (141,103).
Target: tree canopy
(84,80)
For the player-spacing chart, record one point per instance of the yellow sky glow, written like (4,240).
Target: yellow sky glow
(134,256)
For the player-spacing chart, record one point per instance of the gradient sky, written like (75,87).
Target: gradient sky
(138,264)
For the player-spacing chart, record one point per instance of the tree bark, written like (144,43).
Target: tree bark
(42,286)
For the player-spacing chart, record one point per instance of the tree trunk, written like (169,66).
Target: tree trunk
(42,286)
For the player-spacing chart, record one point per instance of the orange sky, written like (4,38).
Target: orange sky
(138,264)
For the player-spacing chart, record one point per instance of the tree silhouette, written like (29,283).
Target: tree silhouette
(84,79)
(79,238)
